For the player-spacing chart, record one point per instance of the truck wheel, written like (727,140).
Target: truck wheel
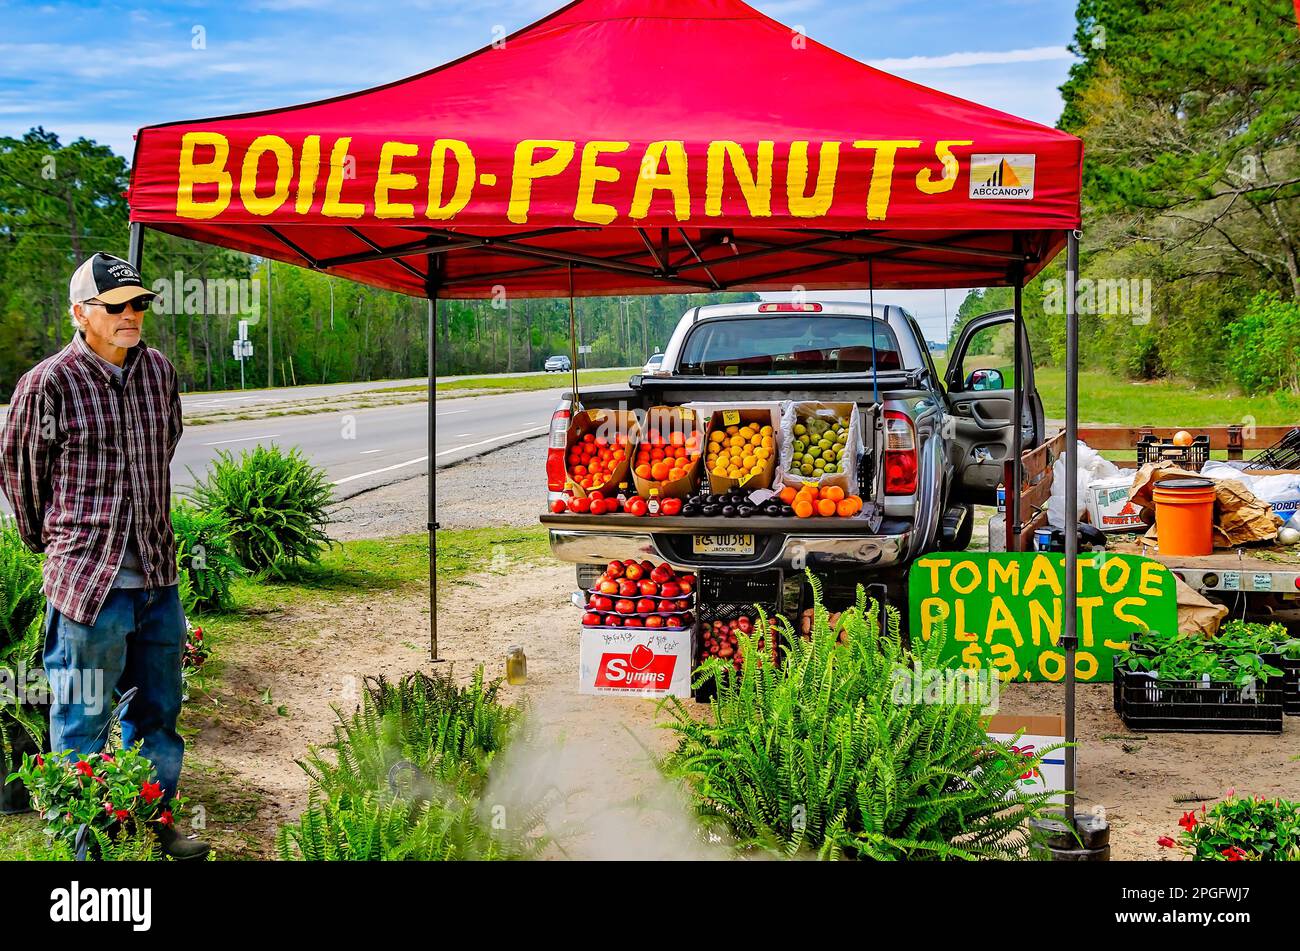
(964,534)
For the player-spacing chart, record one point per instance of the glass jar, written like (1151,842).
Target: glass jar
(516,666)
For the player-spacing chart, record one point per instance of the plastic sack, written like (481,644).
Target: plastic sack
(1092,467)
(847,477)
(1281,492)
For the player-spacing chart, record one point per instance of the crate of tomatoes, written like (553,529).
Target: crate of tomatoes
(634,593)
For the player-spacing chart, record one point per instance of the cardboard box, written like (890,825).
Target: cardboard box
(1040,733)
(723,418)
(607,423)
(635,662)
(1109,508)
(668,420)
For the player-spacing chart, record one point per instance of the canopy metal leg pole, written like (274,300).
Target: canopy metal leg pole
(573,346)
(135,246)
(1017,413)
(1070,639)
(433,525)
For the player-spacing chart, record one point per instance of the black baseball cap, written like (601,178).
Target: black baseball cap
(108,279)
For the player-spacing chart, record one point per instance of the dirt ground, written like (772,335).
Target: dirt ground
(597,752)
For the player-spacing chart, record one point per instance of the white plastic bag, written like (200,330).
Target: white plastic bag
(1092,467)
(847,477)
(1281,492)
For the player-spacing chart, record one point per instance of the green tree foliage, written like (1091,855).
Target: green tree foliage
(1265,351)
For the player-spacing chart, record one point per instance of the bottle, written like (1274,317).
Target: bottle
(516,666)
(1002,497)
(652,504)
(622,496)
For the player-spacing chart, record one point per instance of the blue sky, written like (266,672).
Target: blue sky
(103,70)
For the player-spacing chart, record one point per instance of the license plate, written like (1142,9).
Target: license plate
(724,544)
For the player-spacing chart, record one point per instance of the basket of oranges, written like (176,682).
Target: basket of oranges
(830,501)
(741,450)
(667,460)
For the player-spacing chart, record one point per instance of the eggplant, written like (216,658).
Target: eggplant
(691,508)
(744,511)
(710,510)
(787,511)
(728,511)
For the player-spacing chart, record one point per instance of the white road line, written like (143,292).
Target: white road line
(366,452)
(462,435)
(455,412)
(222,442)
(362,475)
(484,442)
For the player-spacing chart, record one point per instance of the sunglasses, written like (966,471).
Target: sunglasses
(139,305)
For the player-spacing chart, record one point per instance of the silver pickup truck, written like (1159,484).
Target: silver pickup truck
(930,446)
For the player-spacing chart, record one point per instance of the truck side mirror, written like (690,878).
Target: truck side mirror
(984,379)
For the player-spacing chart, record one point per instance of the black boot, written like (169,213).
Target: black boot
(177,846)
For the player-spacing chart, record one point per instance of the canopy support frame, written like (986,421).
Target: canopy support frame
(431,280)
(1070,638)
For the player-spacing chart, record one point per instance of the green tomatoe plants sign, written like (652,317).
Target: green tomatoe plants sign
(1004,610)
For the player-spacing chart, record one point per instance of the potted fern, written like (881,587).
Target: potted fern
(22,723)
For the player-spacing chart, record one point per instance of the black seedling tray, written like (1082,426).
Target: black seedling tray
(1147,705)
(1155,449)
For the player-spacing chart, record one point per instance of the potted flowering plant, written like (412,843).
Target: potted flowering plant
(1239,829)
(196,655)
(116,796)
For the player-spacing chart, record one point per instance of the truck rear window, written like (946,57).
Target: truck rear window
(775,345)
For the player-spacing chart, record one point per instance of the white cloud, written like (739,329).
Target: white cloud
(1036,54)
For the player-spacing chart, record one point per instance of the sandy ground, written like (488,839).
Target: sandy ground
(596,753)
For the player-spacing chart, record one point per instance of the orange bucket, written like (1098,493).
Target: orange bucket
(1184,516)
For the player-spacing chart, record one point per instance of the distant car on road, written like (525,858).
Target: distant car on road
(654,364)
(559,362)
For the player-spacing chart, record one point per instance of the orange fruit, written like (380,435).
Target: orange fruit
(825,507)
(834,493)
(788,494)
(803,508)
(857,503)
(643,471)
(845,508)
(659,471)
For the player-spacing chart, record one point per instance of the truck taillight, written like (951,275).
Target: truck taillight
(900,454)
(555,451)
(789,308)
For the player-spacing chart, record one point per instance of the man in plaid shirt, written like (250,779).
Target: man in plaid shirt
(85,459)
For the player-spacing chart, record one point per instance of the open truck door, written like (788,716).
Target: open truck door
(980,379)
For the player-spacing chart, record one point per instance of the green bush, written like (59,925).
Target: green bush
(205,558)
(1265,351)
(817,755)
(275,504)
(404,781)
(22,610)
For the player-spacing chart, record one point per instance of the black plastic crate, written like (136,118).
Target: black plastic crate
(1155,449)
(1283,454)
(1290,685)
(721,587)
(1192,706)
(725,596)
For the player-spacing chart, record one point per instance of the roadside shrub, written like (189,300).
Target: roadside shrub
(1265,350)
(205,556)
(275,504)
(1240,830)
(404,781)
(817,756)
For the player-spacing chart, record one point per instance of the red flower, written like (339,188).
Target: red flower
(1234,853)
(1167,842)
(108,808)
(151,792)
(40,761)
(84,768)
(166,817)
(1188,821)
(106,758)
(123,813)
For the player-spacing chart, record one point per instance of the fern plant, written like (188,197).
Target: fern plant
(275,503)
(22,609)
(404,776)
(205,558)
(815,756)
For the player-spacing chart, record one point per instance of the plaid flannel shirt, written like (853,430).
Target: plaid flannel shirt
(85,462)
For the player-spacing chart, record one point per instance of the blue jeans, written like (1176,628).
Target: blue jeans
(137,641)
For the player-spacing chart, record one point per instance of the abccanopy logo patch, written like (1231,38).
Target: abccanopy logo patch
(1002,176)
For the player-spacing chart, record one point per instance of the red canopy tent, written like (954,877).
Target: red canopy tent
(630,147)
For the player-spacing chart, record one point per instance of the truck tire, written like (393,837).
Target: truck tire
(962,539)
